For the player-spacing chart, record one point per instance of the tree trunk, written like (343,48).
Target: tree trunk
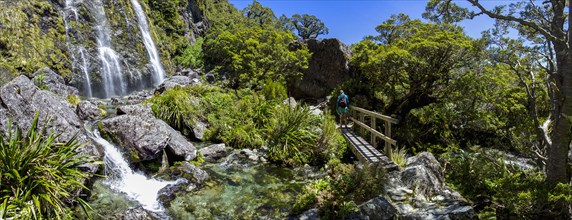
(557,164)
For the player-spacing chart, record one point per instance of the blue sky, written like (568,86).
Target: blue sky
(350,21)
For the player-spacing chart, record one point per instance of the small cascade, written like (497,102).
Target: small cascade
(69,11)
(122,178)
(158,72)
(111,67)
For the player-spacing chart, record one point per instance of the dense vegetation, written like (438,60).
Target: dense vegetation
(466,100)
(39,177)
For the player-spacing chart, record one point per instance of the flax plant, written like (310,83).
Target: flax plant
(39,177)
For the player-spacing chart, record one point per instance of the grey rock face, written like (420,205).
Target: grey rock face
(145,136)
(311,214)
(214,152)
(87,110)
(199,130)
(190,172)
(53,82)
(328,67)
(22,100)
(423,173)
(176,81)
(377,209)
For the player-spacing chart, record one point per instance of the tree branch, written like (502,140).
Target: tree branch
(521,21)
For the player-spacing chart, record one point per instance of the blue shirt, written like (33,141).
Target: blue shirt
(340,96)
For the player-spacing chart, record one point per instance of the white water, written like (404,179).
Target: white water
(111,68)
(122,178)
(158,72)
(71,8)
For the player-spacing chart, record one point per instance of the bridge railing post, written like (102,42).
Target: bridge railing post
(373,141)
(388,133)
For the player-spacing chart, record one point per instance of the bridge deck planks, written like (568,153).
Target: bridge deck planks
(366,152)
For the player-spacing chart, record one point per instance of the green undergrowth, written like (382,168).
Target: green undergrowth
(32,36)
(39,177)
(500,188)
(337,195)
(249,119)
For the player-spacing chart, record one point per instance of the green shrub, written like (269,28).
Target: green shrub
(73,100)
(399,156)
(40,177)
(485,175)
(192,56)
(291,134)
(176,107)
(336,195)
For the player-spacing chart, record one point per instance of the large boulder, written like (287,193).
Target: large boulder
(214,152)
(144,136)
(424,174)
(190,172)
(377,209)
(22,100)
(328,67)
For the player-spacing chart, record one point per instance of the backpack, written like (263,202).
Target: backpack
(343,102)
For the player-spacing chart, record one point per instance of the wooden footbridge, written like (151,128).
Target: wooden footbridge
(367,151)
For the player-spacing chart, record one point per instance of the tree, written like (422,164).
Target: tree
(260,14)
(308,26)
(248,56)
(413,63)
(541,24)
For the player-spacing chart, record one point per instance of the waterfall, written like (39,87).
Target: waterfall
(111,68)
(122,178)
(69,10)
(158,72)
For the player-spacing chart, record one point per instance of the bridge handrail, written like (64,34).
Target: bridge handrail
(375,114)
(386,136)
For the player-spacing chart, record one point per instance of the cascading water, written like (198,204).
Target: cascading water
(111,68)
(122,178)
(158,72)
(71,10)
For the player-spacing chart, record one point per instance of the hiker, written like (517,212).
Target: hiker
(343,108)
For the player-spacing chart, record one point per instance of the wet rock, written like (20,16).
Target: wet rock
(46,78)
(214,152)
(145,136)
(250,154)
(312,214)
(190,172)
(22,100)
(168,193)
(87,110)
(138,213)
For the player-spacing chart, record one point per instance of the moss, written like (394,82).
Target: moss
(74,100)
(31,38)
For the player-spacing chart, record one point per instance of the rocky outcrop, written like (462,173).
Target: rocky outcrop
(21,100)
(214,152)
(87,110)
(328,67)
(144,136)
(416,193)
(46,78)
(419,192)
(173,81)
